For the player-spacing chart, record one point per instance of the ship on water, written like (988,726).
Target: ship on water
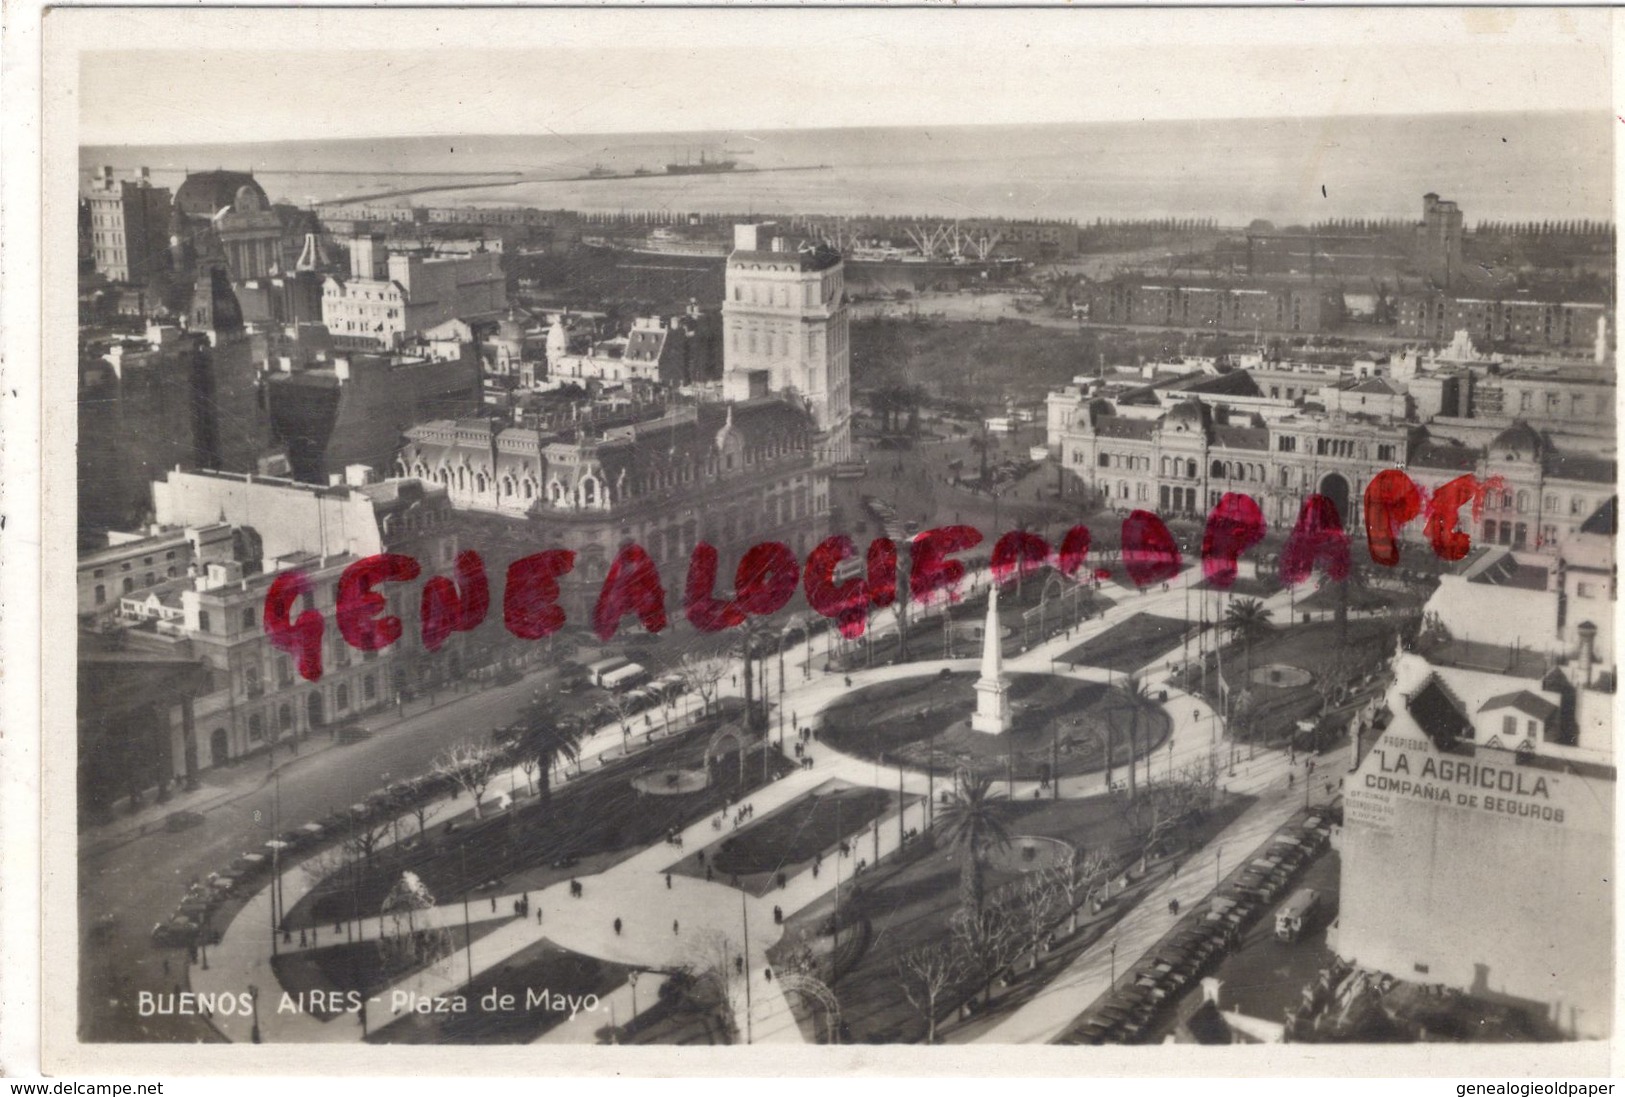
(704,167)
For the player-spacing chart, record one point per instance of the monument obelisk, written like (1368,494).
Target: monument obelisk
(992,691)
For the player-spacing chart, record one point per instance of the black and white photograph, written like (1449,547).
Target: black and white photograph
(936,530)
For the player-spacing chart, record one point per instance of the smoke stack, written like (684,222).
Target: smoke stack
(1588,650)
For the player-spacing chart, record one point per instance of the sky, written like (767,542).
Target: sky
(166,76)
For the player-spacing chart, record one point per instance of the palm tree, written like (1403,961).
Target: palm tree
(1247,618)
(1130,701)
(972,826)
(550,740)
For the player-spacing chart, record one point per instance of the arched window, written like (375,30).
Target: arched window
(341,697)
(284,717)
(462,479)
(480,483)
(1523,501)
(1216,470)
(101,593)
(507,487)
(1190,469)
(589,492)
(1163,465)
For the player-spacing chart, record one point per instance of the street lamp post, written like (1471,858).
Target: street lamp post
(1114,962)
(278,904)
(632,980)
(744,917)
(468,937)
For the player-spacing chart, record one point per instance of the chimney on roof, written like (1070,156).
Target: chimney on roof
(1587,633)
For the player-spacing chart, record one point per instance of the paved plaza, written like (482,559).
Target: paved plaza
(635,890)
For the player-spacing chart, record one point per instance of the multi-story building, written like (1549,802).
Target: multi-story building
(1478,845)
(388,298)
(1226,306)
(140,561)
(786,330)
(1182,461)
(1520,321)
(347,408)
(731,474)
(170,398)
(129,226)
(253,695)
(1439,250)
(653,352)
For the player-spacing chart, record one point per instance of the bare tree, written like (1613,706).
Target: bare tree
(703,674)
(527,766)
(471,765)
(364,837)
(1077,878)
(987,940)
(711,980)
(1037,905)
(621,704)
(925,975)
(409,940)
(424,809)
(1332,672)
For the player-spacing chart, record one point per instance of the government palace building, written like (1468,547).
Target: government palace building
(1175,448)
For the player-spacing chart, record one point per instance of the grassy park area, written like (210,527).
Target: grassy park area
(590,823)
(922,723)
(1127,647)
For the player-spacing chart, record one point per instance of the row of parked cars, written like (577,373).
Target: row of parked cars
(203,897)
(1130,1009)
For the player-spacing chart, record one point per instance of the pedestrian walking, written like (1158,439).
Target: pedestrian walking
(708,876)
(668,881)
(617,927)
(538,915)
(739,965)
(767,972)
(674,927)
(778,916)
(493,904)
